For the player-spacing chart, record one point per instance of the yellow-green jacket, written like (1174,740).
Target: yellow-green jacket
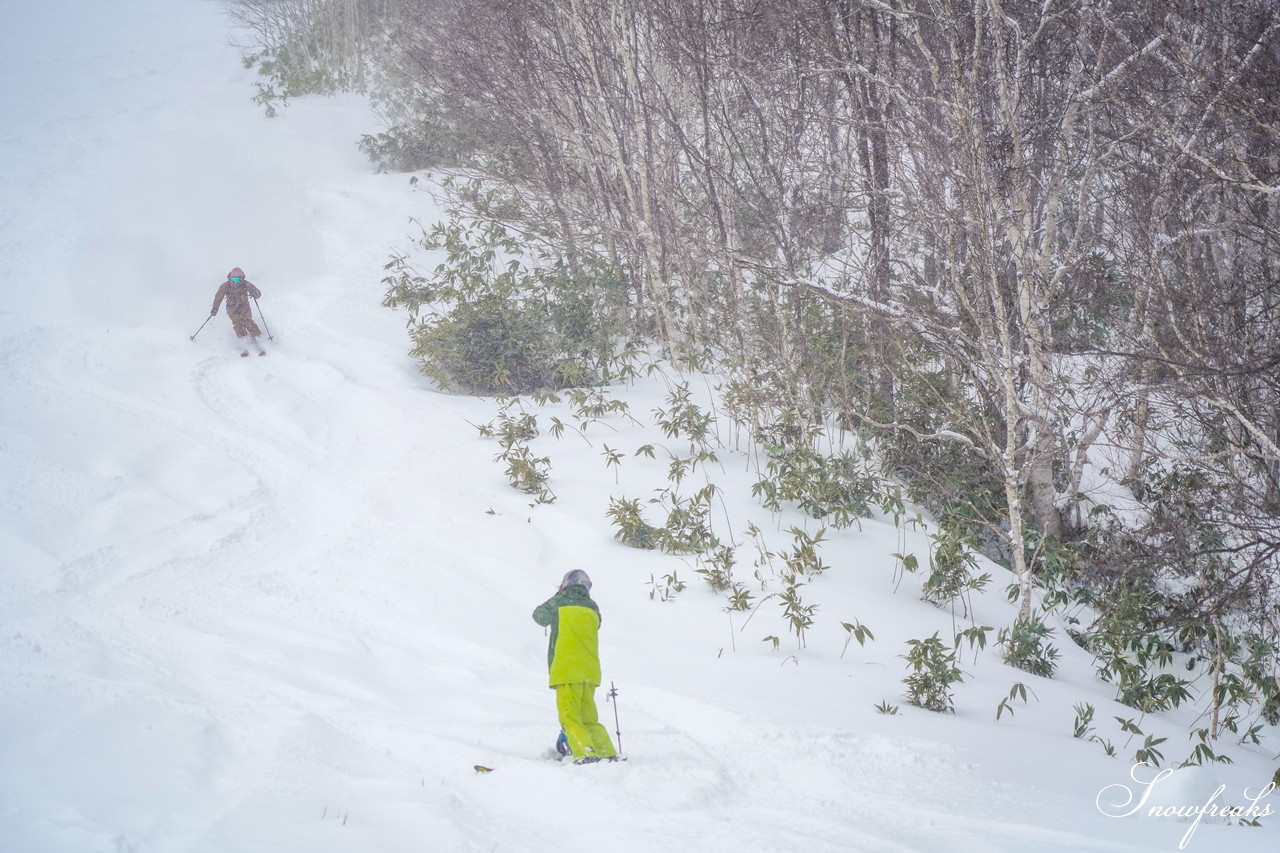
(573,655)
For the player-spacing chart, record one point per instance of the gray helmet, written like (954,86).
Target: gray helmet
(577,577)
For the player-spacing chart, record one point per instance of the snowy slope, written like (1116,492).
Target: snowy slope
(282,604)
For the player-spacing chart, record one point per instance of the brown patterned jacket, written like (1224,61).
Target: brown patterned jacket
(238,308)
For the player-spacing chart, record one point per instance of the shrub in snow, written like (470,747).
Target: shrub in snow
(687,530)
(524,471)
(933,670)
(630,528)
(1027,648)
(951,568)
(485,321)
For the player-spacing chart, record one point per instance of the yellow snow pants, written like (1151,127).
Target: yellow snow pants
(576,704)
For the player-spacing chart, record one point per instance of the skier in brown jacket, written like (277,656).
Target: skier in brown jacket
(237,290)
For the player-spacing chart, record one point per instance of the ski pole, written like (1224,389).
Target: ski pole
(202,325)
(617,727)
(263,319)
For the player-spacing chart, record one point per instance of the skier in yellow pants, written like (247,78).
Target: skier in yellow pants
(573,657)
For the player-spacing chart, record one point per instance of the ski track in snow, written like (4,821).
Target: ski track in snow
(282,603)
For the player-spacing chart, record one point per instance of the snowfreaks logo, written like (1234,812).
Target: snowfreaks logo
(1178,802)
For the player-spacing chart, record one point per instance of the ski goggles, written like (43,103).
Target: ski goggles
(236,279)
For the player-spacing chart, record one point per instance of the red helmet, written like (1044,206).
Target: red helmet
(236,271)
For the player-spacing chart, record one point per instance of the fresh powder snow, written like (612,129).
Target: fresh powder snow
(283,603)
